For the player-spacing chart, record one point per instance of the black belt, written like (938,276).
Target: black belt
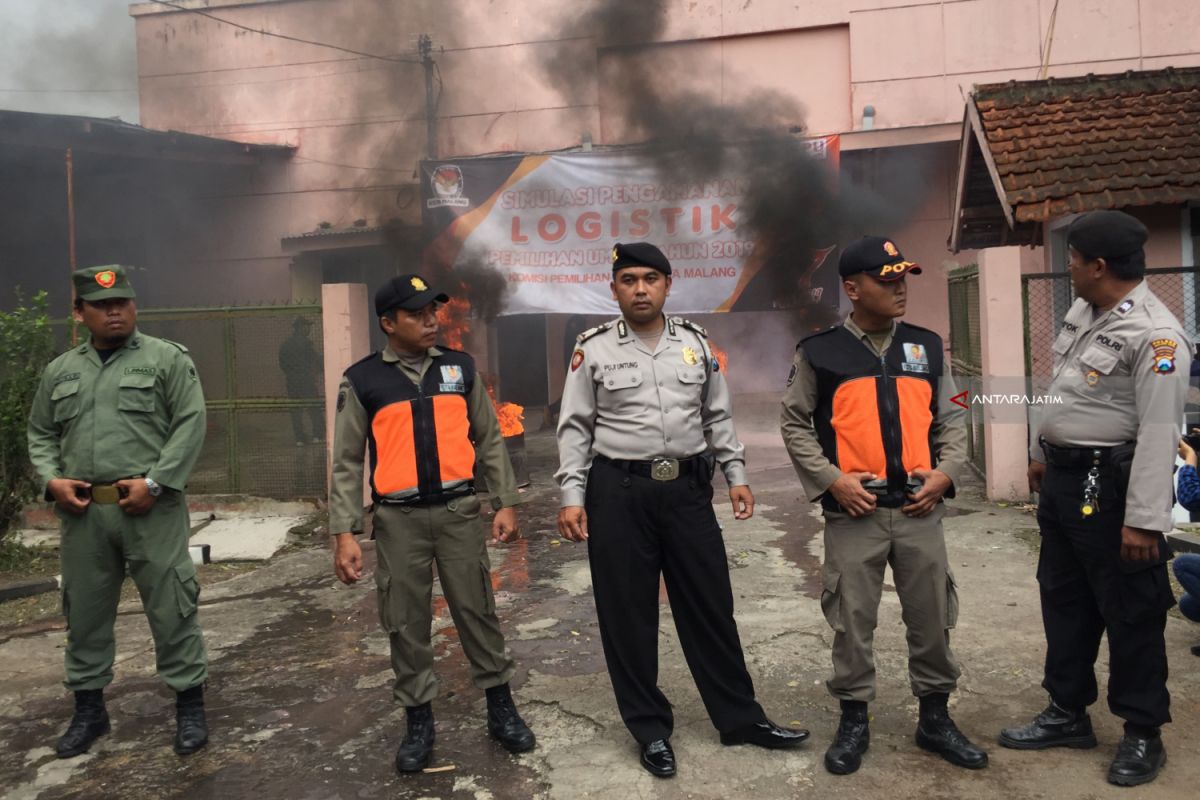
(430,500)
(1081,457)
(661,469)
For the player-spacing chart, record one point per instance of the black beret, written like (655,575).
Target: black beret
(1107,234)
(409,292)
(876,256)
(639,254)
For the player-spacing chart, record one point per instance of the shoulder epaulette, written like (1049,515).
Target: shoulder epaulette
(176,344)
(588,334)
(828,330)
(917,328)
(363,360)
(448,349)
(687,323)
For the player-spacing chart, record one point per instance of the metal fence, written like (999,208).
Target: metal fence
(262,370)
(966,350)
(1047,297)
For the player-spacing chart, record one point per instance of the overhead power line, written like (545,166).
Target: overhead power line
(284,36)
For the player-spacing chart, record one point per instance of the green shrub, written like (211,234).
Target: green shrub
(26,346)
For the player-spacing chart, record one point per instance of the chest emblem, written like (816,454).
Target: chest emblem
(452,379)
(690,357)
(915,358)
(1092,378)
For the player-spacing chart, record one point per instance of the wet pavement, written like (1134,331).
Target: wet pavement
(300,704)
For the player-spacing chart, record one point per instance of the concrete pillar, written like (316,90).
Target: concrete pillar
(346,324)
(1006,432)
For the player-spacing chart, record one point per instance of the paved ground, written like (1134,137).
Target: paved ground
(300,705)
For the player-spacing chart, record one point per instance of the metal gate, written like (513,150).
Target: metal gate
(1046,298)
(262,371)
(966,353)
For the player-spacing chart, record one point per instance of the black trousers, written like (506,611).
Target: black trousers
(638,529)
(1088,590)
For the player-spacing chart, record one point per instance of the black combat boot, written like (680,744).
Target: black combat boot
(191,726)
(1054,727)
(89,723)
(505,724)
(937,733)
(417,748)
(852,739)
(1140,756)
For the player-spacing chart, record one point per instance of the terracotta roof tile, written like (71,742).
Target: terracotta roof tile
(1100,141)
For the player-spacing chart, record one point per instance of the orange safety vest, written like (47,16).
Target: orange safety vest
(418,436)
(875,413)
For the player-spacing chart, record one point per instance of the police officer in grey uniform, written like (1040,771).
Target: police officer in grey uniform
(641,394)
(1102,461)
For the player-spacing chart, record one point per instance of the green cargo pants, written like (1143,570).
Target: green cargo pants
(97,547)
(408,539)
(856,553)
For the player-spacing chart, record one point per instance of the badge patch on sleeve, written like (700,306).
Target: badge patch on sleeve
(341,400)
(576,359)
(792,375)
(1164,355)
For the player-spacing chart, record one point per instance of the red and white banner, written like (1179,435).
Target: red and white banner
(548,223)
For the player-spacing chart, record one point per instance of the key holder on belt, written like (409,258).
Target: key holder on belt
(1091,488)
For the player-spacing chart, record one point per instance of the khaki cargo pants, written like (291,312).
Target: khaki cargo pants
(408,540)
(97,548)
(856,553)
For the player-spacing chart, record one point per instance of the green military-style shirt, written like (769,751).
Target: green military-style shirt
(350,444)
(140,413)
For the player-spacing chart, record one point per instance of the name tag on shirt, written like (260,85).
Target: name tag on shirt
(915,358)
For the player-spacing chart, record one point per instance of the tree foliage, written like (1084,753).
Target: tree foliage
(26,346)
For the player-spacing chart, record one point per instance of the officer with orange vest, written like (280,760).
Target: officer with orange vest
(872,434)
(422,416)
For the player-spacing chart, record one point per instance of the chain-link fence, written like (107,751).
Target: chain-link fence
(263,376)
(1047,298)
(966,351)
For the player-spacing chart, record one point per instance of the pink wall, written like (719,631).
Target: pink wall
(358,123)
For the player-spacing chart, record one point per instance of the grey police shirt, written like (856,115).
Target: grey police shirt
(1122,377)
(624,401)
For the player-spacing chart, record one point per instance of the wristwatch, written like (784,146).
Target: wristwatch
(155,489)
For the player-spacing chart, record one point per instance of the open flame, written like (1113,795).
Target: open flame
(510,415)
(454,320)
(720,355)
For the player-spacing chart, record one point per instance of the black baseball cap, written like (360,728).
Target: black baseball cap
(639,254)
(878,257)
(1107,234)
(409,292)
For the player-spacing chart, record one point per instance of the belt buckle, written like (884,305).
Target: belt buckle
(664,469)
(106,494)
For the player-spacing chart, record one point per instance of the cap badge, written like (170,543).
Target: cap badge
(418,284)
(890,249)
(690,356)
(614,255)
(106,278)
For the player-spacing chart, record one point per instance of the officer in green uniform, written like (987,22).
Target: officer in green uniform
(116,427)
(420,415)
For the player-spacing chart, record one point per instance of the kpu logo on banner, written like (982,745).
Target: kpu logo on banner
(447,185)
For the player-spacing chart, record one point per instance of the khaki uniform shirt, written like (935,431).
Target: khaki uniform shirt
(816,472)
(624,401)
(350,446)
(1104,372)
(139,413)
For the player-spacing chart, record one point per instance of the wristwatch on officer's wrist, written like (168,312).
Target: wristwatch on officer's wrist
(155,489)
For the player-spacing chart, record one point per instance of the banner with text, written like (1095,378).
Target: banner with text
(547,224)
